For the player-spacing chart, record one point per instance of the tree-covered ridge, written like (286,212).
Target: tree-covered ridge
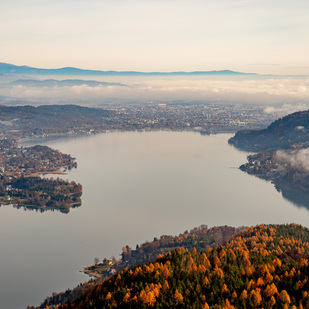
(243,273)
(25,121)
(199,237)
(287,240)
(282,133)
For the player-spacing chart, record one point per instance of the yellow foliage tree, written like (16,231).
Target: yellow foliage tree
(228,305)
(284,296)
(205,306)
(276,262)
(224,289)
(222,253)
(217,261)
(243,295)
(270,290)
(201,269)
(250,284)
(218,271)
(178,298)
(108,296)
(198,289)
(269,278)
(259,282)
(303,263)
(271,302)
(256,297)
(166,286)
(147,297)
(166,273)
(206,281)
(232,255)
(248,270)
(126,298)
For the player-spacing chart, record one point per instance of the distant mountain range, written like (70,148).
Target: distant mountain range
(61,83)
(8,69)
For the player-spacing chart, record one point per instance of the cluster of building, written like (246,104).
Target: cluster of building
(210,118)
(279,165)
(16,160)
(204,117)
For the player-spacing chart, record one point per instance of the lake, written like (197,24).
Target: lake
(136,186)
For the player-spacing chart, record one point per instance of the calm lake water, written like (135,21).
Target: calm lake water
(136,186)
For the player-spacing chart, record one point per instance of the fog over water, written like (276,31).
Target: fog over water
(136,186)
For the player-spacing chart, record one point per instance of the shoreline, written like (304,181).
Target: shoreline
(57,172)
(202,131)
(91,274)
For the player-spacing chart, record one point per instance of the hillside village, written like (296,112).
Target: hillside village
(32,160)
(57,120)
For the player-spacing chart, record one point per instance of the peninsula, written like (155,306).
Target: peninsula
(200,238)
(20,181)
(265,266)
(283,155)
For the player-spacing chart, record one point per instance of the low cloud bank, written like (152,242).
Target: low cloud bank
(286,108)
(291,93)
(298,159)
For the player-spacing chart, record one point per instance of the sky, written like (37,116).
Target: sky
(266,37)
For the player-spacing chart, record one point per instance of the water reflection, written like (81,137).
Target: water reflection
(288,180)
(42,209)
(297,196)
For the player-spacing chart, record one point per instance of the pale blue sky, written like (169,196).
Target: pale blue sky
(156,35)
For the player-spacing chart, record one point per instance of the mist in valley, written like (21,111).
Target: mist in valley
(283,94)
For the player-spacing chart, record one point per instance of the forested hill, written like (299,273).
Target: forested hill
(282,133)
(263,267)
(21,121)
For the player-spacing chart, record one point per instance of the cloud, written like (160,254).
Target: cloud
(286,108)
(298,159)
(291,94)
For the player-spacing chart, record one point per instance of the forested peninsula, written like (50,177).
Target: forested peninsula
(21,168)
(22,185)
(265,266)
